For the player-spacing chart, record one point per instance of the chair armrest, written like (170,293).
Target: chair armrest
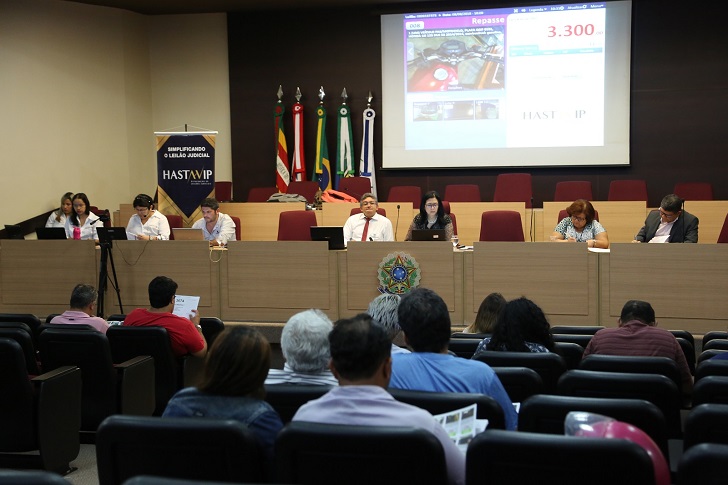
(136,392)
(58,397)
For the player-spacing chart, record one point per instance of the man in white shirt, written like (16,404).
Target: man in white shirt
(669,224)
(368,225)
(218,228)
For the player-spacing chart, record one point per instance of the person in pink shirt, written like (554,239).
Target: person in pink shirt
(83,305)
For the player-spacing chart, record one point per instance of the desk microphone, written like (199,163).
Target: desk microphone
(396,226)
(532,229)
(370,238)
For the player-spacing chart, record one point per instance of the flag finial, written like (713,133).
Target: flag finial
(369,99)
(321,94)
(344,95)
(298,94)
(280,92)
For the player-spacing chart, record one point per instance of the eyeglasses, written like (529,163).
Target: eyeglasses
(667,215)
(579,219)
(431,206)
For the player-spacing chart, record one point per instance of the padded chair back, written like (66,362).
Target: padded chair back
(464,347)
(174,221)
(519,382)
(694,190)
(224,191)
(36,477)
(574,338)
(287,398)
(306,188)
(236,220)
(723,236)
(444,402)
(454,223)
(357,210)
(716,343)
(711,389)
(90,352)
(550,366)
(211,328)
(23,336)
(322,454)
(684,334)
(714,334)
(296,225)
(355,186)
(406,193)
(501,226)
(572,190)
(571,352)
(627,190)
(32,321)
(513,187)
(658,389)
(709,354)
(462,193)
(192,448)
(706,423)
(711,367)
(634,364)
(261,194)
(563,213)
(576,329)
(16,406)
(702,464)
(500,457)
(545,413)
(129,342)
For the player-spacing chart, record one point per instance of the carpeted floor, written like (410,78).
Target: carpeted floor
(85,464)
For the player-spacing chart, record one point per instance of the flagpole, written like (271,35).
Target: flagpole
(283,175)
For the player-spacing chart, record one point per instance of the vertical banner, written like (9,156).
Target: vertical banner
(366,163)
(283,175)
(185,172)
(322,170)
(344,155)
(299,162)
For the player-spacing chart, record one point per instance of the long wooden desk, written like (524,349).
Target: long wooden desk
(712,214)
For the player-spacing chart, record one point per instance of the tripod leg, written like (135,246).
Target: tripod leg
(103,274)
(116,281)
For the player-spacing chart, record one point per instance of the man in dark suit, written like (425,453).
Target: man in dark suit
(669,224)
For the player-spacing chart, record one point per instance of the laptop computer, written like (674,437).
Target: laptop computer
(108,234)
(333,234)
(51,233)
(14,231)
(429,235)
(187,234)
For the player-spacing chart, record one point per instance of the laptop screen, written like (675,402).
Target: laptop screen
(51,233)
(429,235)
(108,234)
(187,234)
(333,234)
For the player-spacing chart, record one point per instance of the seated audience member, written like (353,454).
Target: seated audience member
(521,327)
(669,224)
(232,386)
(185,334)
(638,335)
(58,217)
(361,361)
(425,321)
(83,303)
(368,225)
(147,224)
(581,226)
(218,228)
(383,310)
(488,312)
(431,216)
(305,347)
(81,224)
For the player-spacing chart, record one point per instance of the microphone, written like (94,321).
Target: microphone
(532,229)
(370,238)
(396,226)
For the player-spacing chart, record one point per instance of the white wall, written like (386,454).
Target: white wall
(81,96)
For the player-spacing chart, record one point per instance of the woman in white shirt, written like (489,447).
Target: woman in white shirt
(58,217)
(81,224)
(147,224)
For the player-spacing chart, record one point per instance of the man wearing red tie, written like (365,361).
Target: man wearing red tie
(368,225)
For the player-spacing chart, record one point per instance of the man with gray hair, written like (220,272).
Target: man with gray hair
(83,304)
(368,225)
(383,310)
(305,346)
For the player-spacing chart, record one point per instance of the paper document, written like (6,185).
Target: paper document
(183,305)
(462,425)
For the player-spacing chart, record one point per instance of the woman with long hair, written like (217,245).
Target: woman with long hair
(431,216)
(58,217)
(81,224)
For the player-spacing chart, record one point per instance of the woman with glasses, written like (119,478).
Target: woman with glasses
(432,216)
(580,226)
(147,224)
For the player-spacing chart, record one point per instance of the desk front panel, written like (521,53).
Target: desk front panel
(191,264)
(560,278)
(38,276)
(686,284)
(469,215)
(270,281)
(711,214)
(621,219)
(440,270)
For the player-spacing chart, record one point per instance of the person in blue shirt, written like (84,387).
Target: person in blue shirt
(425,322)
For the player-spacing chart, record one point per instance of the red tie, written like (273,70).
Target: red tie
(366,229)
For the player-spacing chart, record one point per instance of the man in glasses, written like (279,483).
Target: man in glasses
(368,225)
(669,224)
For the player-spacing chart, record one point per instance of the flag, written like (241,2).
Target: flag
(299,164)
(283,175)
(322,170)
(344,157)
(366,162)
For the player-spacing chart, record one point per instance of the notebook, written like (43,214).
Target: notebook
(333,234)
(187,234)
(429,235)
(14,232)
(51,233)
(108,234)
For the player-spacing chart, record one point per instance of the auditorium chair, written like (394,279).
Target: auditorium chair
(462,193)
(224,191)
(454,223)
(708,354)
(694,190)
(192,448)
(514,187)
(287,398)
(174,221)
(236,220)
(501,457)
(22,334)
(723,236)
(328,454)
(708,336)
(444,402)
(574,338)
(572,190)
(576,329)
(40,416)
(548,365)
(571,352)
(463,347)
(306,188)
(261,194)
(711,389)
(124,388)
(628,190)
(296,225)
(501,225)
(716,343)
(519,382)
(635,364)
(27,477)
(211,328)
(706,423)
(406,193)
(29,319)
(703,464)
(355,186)
(711,367)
